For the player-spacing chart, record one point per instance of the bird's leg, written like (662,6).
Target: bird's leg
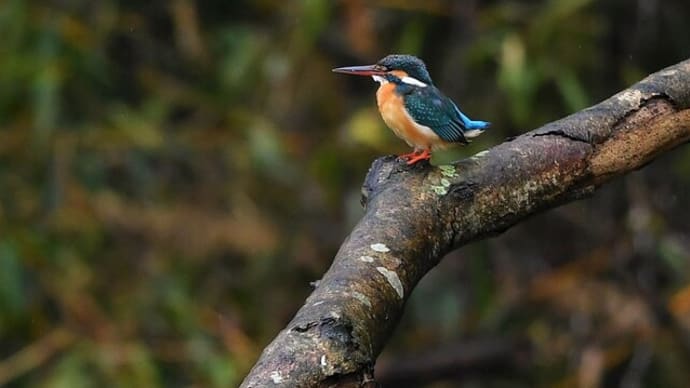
(409,156)
(417,156)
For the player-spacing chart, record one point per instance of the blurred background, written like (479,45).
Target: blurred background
(174,174)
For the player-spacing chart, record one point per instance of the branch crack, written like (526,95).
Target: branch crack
(564,134)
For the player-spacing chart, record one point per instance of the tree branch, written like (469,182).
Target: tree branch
(414,215)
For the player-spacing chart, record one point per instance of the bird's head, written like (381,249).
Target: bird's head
(405,68)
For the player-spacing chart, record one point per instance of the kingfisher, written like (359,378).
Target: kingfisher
(414,108)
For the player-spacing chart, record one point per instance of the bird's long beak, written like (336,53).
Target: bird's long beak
(361,70)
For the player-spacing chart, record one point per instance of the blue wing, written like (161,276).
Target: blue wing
(430,108)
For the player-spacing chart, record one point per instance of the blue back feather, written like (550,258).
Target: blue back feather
(429,107)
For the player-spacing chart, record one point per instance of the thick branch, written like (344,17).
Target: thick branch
(416,215)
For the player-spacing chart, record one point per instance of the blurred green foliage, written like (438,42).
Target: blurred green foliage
(173,174)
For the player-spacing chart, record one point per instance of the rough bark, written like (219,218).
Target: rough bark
(414,215)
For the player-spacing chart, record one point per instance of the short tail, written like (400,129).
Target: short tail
(472,125)
(474,128)
(477,124)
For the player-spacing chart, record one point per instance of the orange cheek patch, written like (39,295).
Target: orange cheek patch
(399,73)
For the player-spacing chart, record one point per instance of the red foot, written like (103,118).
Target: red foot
(416,156)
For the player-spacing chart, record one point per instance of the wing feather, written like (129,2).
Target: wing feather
(429,107)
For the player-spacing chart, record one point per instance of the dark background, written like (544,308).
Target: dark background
(173,174)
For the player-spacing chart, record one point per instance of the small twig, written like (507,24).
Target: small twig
(34,355)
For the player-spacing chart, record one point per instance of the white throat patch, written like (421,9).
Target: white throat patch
(379,79)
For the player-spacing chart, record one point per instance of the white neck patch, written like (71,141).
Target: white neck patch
(407,79)
(413,81)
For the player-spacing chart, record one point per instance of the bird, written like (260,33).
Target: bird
(414,109)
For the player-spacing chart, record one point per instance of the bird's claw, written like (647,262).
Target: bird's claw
(416,156)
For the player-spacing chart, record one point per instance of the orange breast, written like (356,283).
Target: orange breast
(394,114)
